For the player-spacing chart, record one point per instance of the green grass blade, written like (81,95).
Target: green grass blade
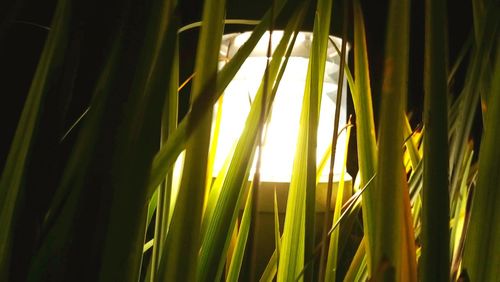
(214,246)
(301,202)
(331,265)
(469,98)
(162,203)
(60,222)
(277,235)
(316,71)
(478,11)
(484,242)
(213,149)
(213,197)
(12,176)
(226,22)
(458,233)
(121,255)
(357,262)
(183,240)
(435,254)
(237,260)
(411,144)
(365,129)
(271,268)
(392,257)
(291,260)
(272,265)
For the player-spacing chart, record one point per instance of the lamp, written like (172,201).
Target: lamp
(282,128)
(278,148)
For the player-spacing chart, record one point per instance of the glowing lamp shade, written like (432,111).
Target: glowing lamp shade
(283,127)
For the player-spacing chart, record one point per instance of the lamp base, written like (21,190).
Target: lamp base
(265,237)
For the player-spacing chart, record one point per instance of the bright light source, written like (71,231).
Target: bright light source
(281,136)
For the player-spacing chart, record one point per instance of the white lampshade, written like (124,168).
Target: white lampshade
(282,131)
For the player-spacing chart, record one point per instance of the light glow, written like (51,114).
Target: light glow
(282,130)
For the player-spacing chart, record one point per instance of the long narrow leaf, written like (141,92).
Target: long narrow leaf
(483,237)
(183,240)
(164,192)
(332,264)
(391,262)
(235,266)
(365,129)
(214,246)
(12,176)
(316,72)
(435,259)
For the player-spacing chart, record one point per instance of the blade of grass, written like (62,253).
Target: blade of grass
(277,234)
(480,60)
(331,266)
(411,144)
(261,136)
(14,170)
(271,268)
(457,230)
(365,130)
(127,245)
(340,83)
(168,125)
(213,150)
(213,197)
(435,258)
(484,243)
(214,246)
(226,22)
(316,72)
(59,221)
(301,196)
(183,240)
(391,255)
(237,260)
(357,263)
(139,137)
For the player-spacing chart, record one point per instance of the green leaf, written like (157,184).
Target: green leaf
(271,268)
(457,236)
(164,192)
(214,246)
(11,181)
(483,237)
(277,235)
(435,254)
(469,97)
(356,267)
(121,254)
(365,130)
(332,263)
(393,255)
(411,145)
(300,211)
(183,239)
(314,90)
(60,219)
(239,250)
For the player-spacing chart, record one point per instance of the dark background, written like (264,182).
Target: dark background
(22,35)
